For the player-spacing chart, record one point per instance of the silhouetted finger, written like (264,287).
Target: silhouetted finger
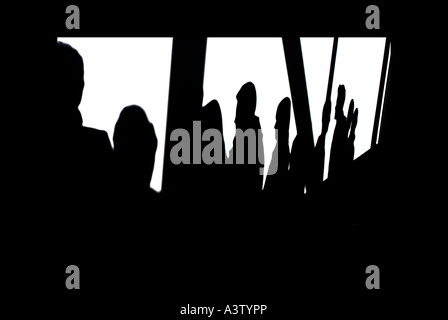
(353,126)
(350,114)
(340,102)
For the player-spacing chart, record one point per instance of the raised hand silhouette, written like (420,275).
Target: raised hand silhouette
(342,148)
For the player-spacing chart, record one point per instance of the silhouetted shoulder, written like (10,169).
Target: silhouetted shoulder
(94,132)
(99,139)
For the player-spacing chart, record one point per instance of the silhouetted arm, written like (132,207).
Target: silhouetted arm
(351,137)
(319,150)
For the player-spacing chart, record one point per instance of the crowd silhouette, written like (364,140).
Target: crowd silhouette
(109,188)
(98,173)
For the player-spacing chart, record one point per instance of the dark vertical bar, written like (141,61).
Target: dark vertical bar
(299,93)
(384,123)
(380,93)
(184,103)
(333,62)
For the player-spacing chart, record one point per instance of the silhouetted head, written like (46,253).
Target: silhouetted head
(247,102)
(211,116)
(69,77)
(135,145)
(283,114)
(283,117)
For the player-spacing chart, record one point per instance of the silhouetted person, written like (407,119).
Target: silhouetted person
(277,178)
(342,148)
(135,145)
(248,177)
(139,223)
(85,154)
(212,176)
